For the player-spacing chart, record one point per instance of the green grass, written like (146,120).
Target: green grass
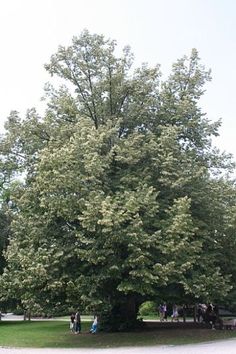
(56,334)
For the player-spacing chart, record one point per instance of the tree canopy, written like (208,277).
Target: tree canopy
(123,195)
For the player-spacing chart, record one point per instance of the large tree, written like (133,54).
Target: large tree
(123,194)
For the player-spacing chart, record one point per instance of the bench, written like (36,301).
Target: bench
(229,324)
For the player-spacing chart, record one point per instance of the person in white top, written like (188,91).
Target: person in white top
(94,327)
(175,314)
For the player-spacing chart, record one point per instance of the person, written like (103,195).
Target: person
(165,312)
(210,316)
(175,314)
(161,312)
(200,313)
(94,326)
(77,322)
(72,322)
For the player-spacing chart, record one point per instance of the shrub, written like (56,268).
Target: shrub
(147,308)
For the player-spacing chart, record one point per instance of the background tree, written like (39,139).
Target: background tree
(124,196)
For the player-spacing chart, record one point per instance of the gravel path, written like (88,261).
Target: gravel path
(228,347)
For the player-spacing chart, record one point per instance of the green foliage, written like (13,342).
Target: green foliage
(123,194)
(147,308)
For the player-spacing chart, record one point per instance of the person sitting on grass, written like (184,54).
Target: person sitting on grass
(94,326)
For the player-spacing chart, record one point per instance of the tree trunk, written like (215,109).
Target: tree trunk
(123,315)
(129,309)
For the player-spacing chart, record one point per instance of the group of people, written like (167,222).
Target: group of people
(163,312)
(208,314)
(205,313)
(75,323)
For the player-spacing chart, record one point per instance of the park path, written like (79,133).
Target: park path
(228,346)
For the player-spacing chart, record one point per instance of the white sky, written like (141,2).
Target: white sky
(159,31)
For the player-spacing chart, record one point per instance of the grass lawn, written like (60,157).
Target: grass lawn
(56,334)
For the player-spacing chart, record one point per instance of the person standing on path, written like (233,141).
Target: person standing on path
(175,313)
(165,312)
(161,312)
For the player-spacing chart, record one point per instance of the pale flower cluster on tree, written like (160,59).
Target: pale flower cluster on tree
(124,196)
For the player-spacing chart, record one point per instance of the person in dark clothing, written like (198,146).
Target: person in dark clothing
(210,316)
(77,322)
(72,322)
(200,312)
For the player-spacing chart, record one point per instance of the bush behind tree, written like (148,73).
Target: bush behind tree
(148,308)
